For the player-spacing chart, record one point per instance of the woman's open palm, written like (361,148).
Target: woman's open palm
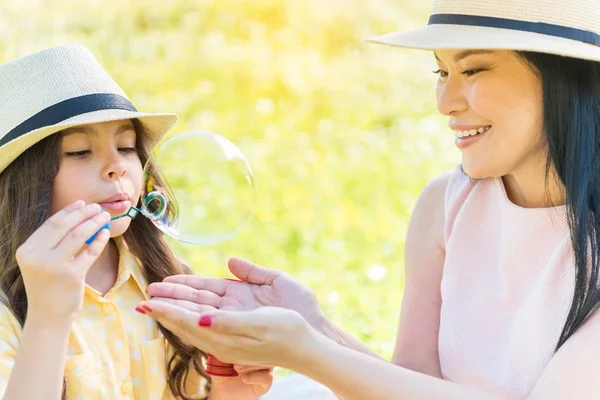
(258,287)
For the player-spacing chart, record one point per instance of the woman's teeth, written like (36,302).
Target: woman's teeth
(472,132)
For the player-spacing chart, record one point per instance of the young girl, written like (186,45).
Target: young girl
(502,252)
(72,151)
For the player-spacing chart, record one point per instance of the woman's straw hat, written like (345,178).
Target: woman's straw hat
(61,87)
(568,28)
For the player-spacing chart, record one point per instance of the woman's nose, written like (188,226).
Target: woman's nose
(450,97)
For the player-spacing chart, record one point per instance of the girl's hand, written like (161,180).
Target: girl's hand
(269,336)
(259,287)
(250,383)
(54,261)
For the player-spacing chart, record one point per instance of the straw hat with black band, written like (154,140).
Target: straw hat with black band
(57,88)
(568,28)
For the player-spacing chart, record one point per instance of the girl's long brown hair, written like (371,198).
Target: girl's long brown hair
(25,199)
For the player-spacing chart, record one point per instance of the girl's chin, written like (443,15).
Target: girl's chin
(119,226)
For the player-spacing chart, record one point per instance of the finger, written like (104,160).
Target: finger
(215,285)
(243,368)
(221,323)
(252,273)
(250,324)
(191,306)
(184,324)
(76,238)
(179,320)
(183,292)
(58,225)
(262,380)
(224,323)
(254,325)
(91,253)
(59,230)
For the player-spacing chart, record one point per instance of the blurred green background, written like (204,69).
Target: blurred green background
(342,135)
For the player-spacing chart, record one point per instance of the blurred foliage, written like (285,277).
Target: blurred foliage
(342,134)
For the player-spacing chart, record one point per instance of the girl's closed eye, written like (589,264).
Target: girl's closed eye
(77,154)
(127,150)
(84,153)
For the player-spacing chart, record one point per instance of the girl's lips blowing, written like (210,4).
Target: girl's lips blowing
(118,202)
(122,205)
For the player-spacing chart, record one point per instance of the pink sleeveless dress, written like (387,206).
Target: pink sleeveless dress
(507,287)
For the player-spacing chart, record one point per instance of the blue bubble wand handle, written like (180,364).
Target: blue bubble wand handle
(131,213)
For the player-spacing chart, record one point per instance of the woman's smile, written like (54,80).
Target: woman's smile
(467,138)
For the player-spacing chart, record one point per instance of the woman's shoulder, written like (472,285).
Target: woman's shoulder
(443,197)
(437,191)
(428,216)
(458,183)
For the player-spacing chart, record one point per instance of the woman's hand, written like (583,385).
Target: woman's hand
(54,261)
(260,287)
(267,336)
(250,383)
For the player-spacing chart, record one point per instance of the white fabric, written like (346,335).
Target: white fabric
(507,287)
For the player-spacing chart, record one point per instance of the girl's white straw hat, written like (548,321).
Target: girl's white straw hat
(57,88)
(568,28)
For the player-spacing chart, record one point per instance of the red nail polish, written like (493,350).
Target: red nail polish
(234,280)
(145,307)
(140,310)
(205,321)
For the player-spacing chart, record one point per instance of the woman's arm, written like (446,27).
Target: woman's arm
(417,338)
(280,337)
(352,375)
(571,374)
(340,336)
(39,367)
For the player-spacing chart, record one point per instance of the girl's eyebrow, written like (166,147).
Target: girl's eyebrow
(91,131)
(466,53)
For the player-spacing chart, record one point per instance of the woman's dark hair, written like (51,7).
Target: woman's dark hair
(571,125)
(26,196)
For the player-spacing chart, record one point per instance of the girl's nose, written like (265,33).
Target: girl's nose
(115,170)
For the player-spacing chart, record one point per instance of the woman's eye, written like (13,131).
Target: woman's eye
(79,154)
(442,74)
(471,72)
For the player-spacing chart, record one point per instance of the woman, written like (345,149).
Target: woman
(502,252)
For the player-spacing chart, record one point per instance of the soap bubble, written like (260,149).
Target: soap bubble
(200,188)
